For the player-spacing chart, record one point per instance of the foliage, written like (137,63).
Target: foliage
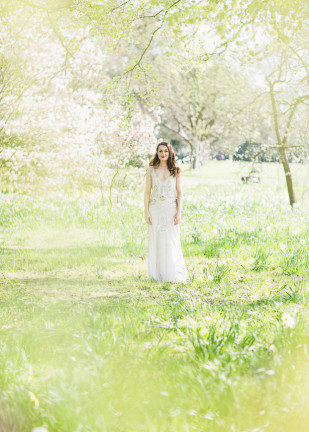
(61,134)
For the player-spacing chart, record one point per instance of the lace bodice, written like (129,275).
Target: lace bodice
(163,192)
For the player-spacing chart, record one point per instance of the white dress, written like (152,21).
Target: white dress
(165,258)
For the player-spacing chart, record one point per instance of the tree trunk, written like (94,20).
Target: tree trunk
(192,156)
(288,175)
(195,161)
(282,149)
(196,155)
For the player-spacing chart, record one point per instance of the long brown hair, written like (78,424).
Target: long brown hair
(171,161)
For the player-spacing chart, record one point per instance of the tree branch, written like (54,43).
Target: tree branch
(59,36)
(224,45)
(158,13)
(178,133)
(118,7)
(274,107)
(298,101)
(151,38)
(145,50)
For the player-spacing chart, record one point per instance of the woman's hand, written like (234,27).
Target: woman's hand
(148,218)
(177,218)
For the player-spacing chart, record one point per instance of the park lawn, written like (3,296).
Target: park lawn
(89,344)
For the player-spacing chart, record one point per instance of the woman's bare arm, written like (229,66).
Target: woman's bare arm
(147,196)
(177,216)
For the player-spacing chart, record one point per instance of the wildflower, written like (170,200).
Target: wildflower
(7,201)
(17,202)
(282,246)
(287,320)
(208,319)
(231,234)
(302,241)
(34,399)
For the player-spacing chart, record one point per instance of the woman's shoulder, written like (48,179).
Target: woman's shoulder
(149,170)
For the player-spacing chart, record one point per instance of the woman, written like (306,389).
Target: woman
(163,202)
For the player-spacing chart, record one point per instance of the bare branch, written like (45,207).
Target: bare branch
(298,101)
(118,7)
(59,36)
(287,42)
(274,107)
(184,127)
(3,162)
(160,11)
(178,133)
(151,38)
(144,52)
(224,45)
(302,62)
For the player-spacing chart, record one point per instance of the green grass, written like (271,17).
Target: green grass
(89,344)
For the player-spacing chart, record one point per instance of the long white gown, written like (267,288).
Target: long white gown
(165,258)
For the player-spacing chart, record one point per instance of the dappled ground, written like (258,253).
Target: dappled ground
(89,344)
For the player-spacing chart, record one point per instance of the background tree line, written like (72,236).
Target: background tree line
(89,87)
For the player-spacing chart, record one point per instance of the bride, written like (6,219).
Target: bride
(163,203)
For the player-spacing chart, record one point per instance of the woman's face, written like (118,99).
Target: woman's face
(163,152)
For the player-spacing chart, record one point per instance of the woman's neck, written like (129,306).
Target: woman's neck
(163,163)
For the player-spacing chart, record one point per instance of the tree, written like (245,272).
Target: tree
(267,37)
(199,103)
(270,39)
(285,70)
(61,130)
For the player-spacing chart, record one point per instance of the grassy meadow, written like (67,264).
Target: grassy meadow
(88,344)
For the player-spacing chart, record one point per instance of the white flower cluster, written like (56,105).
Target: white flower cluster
(61,132)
